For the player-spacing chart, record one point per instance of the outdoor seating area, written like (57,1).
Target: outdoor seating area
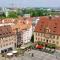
(10,54)
(49,48)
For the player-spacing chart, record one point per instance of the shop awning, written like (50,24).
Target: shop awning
(39,46)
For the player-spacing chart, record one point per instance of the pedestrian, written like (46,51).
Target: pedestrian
(32,55)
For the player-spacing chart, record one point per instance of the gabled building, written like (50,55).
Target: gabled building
(23,31)
(48,29)
(7,38)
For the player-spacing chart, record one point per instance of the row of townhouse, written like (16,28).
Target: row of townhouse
(7,38)
(15,33)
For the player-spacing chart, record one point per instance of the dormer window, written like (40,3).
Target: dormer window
(54,27)
(47,30)
(54,31)
(9,32)
(40,29)
(0,34)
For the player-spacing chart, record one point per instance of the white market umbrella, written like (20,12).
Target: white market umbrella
(14,51)
(9,54)
(22,47)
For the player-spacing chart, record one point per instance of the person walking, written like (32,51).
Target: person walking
(32,55)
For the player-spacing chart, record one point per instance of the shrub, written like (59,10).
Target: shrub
(40,43)
(51,46)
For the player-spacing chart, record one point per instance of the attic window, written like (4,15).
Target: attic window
(54,31)
(40,29)
(0,34)
(6,33)
(54,27)
(9,32)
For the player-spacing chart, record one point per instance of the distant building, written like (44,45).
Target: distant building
(26,15)
(35,21)
(48,29)
(7,10)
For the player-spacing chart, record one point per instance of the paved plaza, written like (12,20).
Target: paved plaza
(37,55)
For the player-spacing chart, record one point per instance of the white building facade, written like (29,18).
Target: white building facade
(26,36)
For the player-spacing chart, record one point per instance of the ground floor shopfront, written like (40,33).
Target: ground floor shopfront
(7,48)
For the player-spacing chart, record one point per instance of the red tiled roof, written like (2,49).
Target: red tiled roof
(6,31)
(53,24)
(20,23)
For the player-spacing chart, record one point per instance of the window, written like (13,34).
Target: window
(54,27)
(54,36)
(57,37)
(54,31)
(50,36)
(1,46)
(53,41)
(38,34)
(6,32)
(57,42)
(47,30)
(41,34)
(9,43)
(0,34)
(50,41)
(9,32)
(41,39)
(2,38)
(36,38)
(40,29)
(44,39)
(4,45)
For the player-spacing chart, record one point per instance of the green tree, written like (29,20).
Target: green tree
(32,38)
(12,14)
(2,15)
(40,43)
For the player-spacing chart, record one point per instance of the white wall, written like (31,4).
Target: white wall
(27,35)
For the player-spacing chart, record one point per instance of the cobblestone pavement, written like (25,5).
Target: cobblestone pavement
(37,55)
